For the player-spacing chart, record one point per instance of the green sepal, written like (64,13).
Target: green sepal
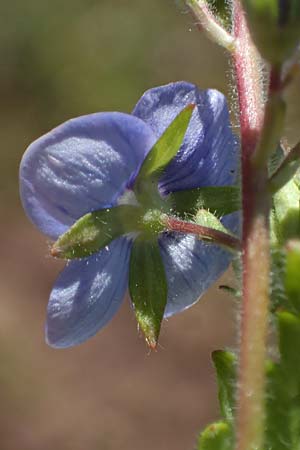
(225,363)
(148,287)
(161,154)
(95,230)
(220,200)
(209,220)
(217,436)
(225,238)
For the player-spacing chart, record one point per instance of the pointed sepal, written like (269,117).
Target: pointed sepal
(220,200)
(148,287)
(219,234)
(161,154)
(96,230)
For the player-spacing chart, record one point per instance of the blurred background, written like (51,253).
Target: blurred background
(60,59)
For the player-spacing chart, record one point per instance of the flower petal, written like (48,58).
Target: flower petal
(191,268)
(208,155)
(81,166)
(87,294)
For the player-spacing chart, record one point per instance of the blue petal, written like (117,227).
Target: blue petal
(87,294)
(84,164)
(191,268)
(208,155)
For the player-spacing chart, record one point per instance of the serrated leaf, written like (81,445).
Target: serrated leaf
(220,200)
(217,436)
(148,287)
(95,230)
(163,151)
(225,363)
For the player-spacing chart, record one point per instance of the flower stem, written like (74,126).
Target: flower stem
(204,233)
(213,29)
(255,244)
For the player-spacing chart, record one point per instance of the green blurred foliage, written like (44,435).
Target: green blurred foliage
(66,58)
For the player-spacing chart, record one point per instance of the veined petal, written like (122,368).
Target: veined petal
(191,268)
(87,294)
(208,155)
(82,165)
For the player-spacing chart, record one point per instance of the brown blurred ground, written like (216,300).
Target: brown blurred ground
(60,59)
(109,393)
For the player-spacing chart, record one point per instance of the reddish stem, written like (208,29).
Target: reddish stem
(205,233)
(255,244)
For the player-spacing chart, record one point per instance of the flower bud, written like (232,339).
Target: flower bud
(275,27)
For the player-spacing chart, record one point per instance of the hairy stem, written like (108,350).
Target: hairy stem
(213,29)
(204,233)
(255,244)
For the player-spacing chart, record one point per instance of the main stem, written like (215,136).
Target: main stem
(255,244)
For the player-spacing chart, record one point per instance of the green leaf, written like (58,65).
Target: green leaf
(230,290)
(279,298)
(275,27)
(220,200)
(295,424)
(148,287)
(163,152)
(287,212)
(287,169)
(292,278)
(225,363)
(95,230)
(217,436)
(289,339)
(275,159)
(278,409)
(222,11)
(283,388)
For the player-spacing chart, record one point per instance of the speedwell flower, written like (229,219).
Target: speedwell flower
(90,163)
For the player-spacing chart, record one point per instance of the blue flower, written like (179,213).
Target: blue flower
(89,163)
